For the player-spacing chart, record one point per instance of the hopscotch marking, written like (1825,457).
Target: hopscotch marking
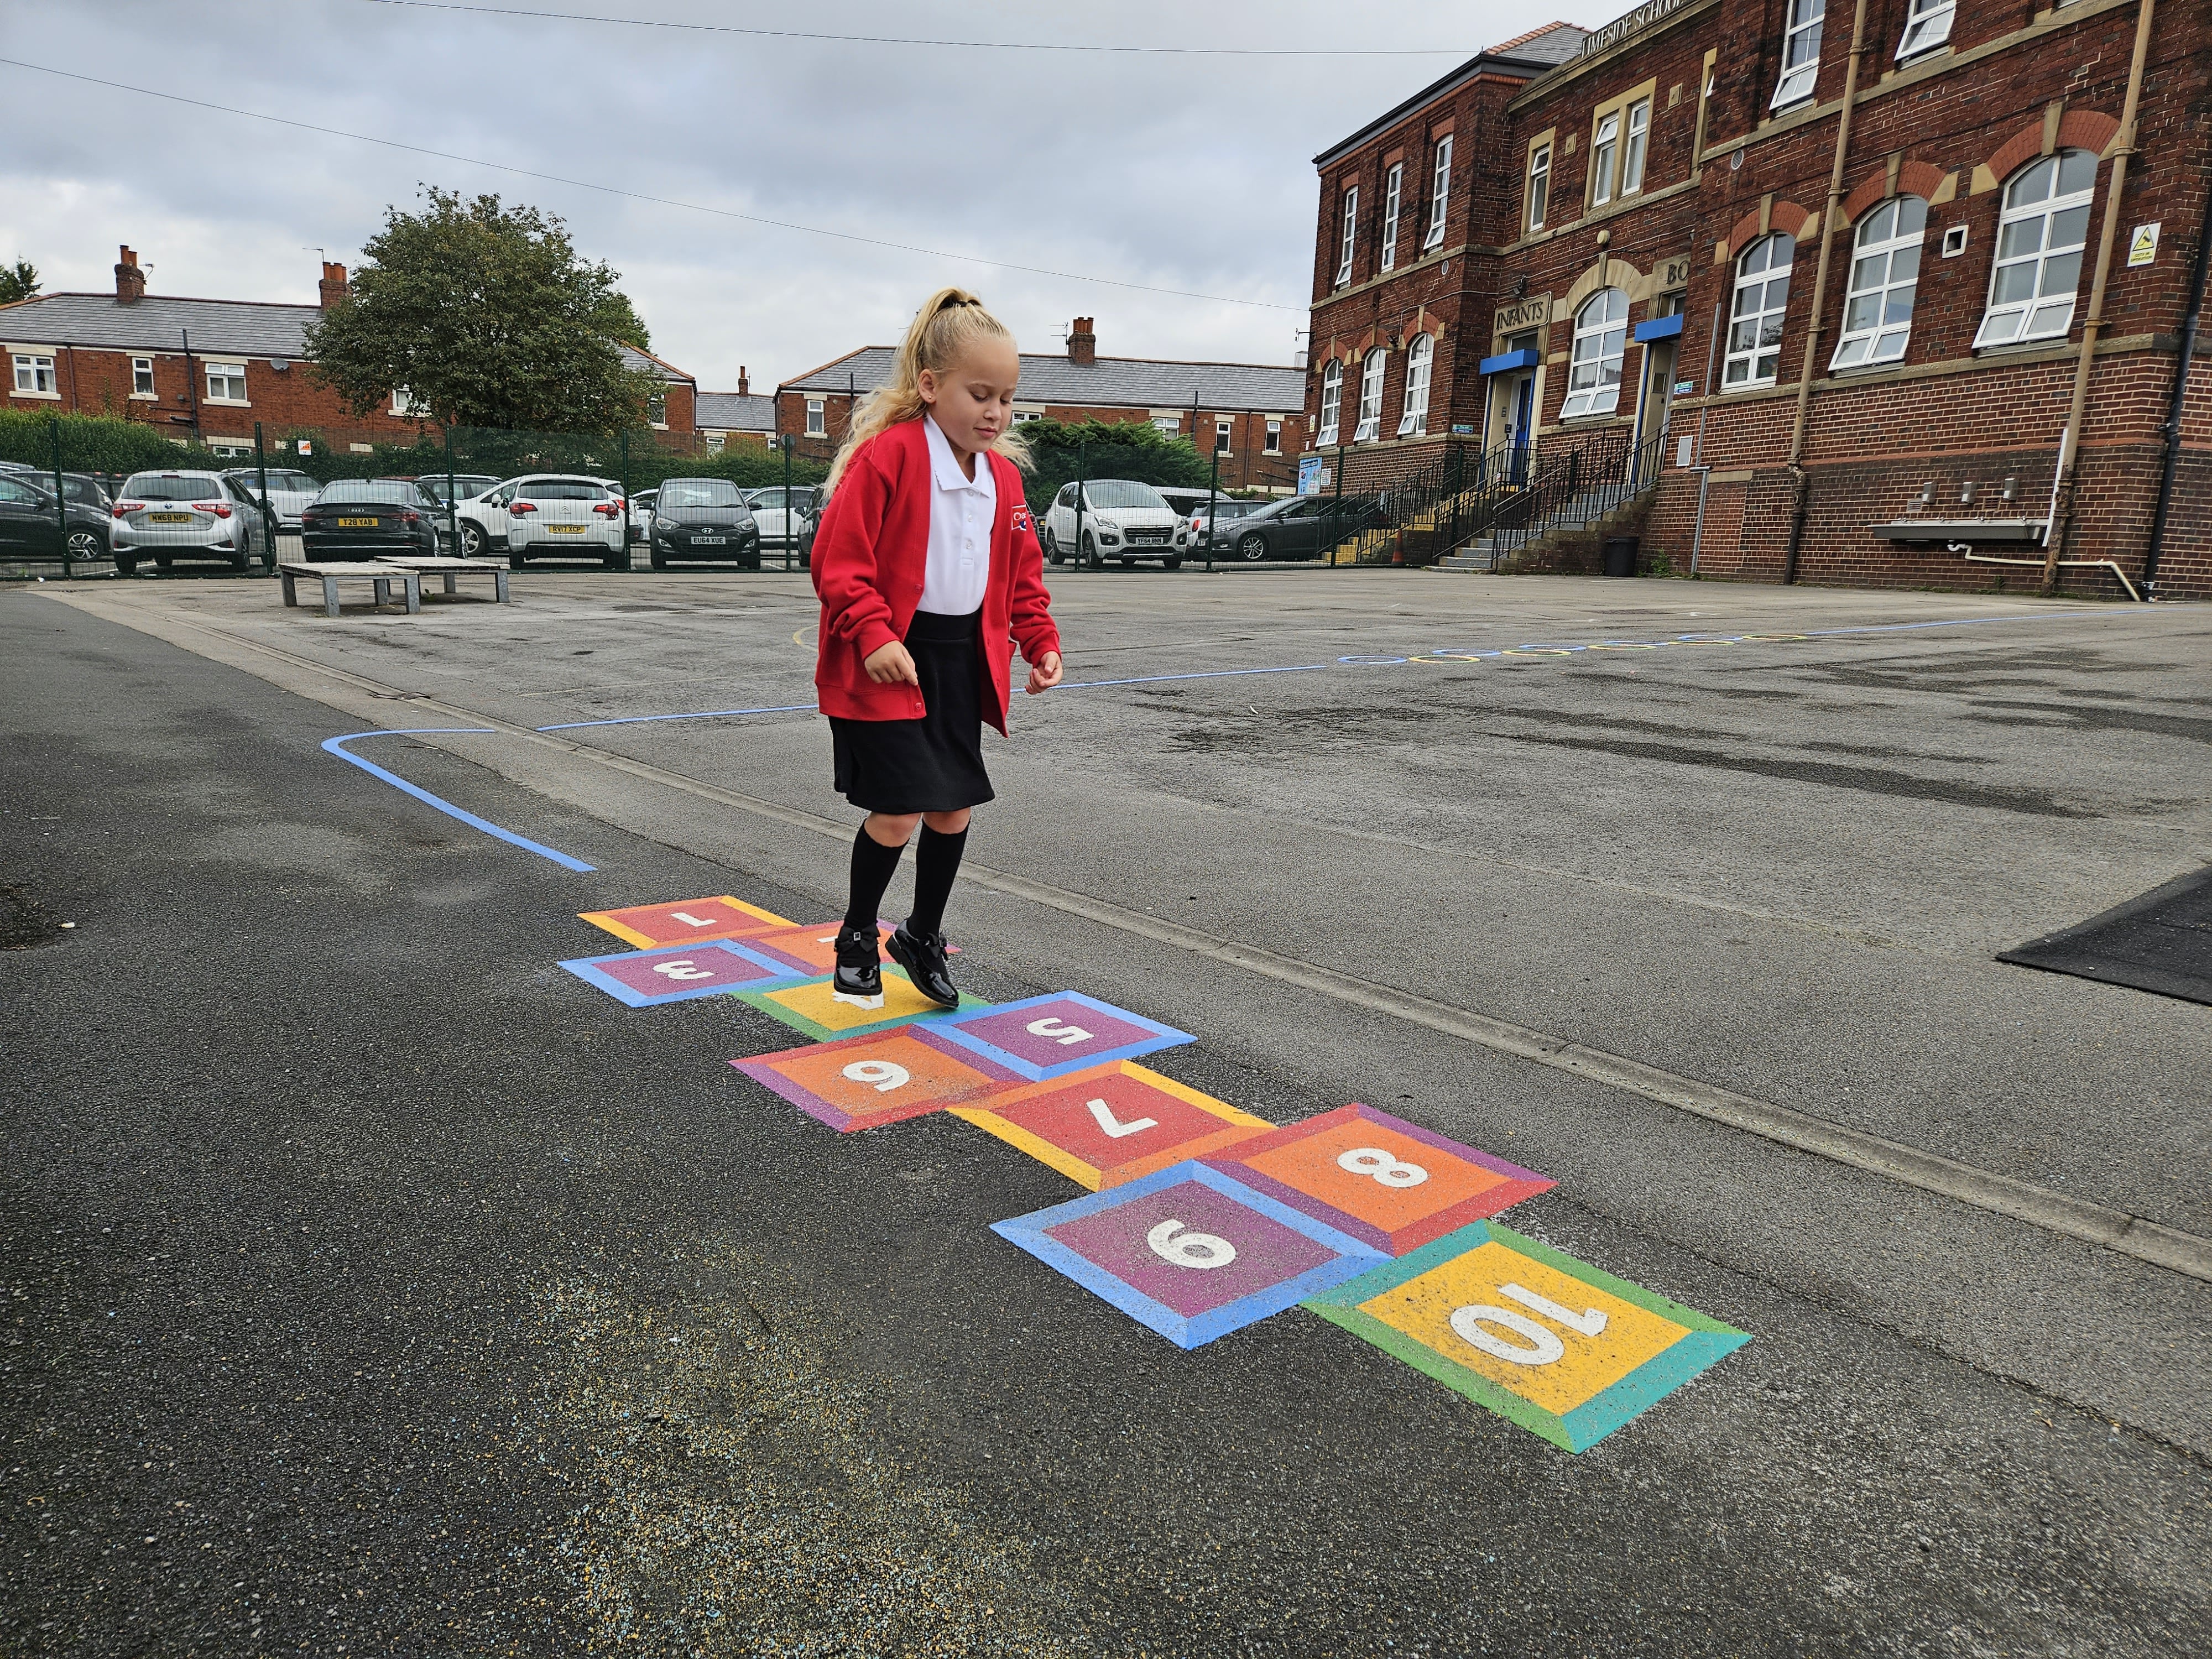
(814,1007)
(878,1077)
(1049,1036)
(1111,1124)
(687,921)
(644,979)
(811,949)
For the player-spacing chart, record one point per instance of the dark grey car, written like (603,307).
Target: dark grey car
(702,520)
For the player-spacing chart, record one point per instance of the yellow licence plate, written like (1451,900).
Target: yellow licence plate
(357,524)
(566,529)
(168,517)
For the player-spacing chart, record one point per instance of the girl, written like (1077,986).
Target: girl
(928,565)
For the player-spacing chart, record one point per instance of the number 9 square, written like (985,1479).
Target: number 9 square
(1390,1183)
(878,1077)
(1189,1252)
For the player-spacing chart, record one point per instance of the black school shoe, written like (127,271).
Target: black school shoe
(860,970)
(922,956)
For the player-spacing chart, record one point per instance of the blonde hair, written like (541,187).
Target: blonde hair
(948,321)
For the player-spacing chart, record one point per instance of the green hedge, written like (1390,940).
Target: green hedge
(1138,450)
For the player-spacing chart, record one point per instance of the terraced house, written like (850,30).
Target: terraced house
(1891,293)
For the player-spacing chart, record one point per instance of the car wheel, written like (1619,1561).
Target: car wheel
(1176,563)
(1051,546)
(472,540)
(241,562)
(84,546)
(752,564)
(1089,554)
(163,561)
(658,559)
(1253,548)
(126,564)
(616,561)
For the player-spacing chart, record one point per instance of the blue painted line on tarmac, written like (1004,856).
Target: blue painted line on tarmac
(707,715)
(336,746)
(1211,674)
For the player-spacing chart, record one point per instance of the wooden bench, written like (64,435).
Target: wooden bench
(424,565)
(383,575)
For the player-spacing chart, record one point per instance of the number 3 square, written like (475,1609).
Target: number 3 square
(1188,1253)
(1051,1036)
(1387,1182)
(644,978)
(881,1077)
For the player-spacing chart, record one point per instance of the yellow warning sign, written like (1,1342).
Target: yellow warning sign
(2143,243)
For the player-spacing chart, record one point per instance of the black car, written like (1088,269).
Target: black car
(703,519)
(363,518)
(30,529)
(1295,528)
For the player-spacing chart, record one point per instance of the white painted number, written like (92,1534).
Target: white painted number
(1191,1249)
(1390,1170)
(1058,1030)
(683,968)
(1544,1345)
(1114,1126)
(882,1075)
(690,920)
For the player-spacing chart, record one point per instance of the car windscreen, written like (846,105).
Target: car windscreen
(560,489)
(371,489)
(1122,492)
(767,498)
(1275,509)
(170,487)
(698,492)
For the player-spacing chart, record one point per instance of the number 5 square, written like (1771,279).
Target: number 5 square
(1189,1252)
(1551,1343)
(1051,1036)
(1389,1182)
(1112,1123)
(643,978)
(881,1077)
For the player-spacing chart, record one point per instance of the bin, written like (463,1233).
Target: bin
(1620,556)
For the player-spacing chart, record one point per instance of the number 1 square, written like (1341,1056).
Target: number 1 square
(686,921)
(1049,1036)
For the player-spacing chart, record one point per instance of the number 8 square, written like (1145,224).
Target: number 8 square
(1188,1253)
(878,1077)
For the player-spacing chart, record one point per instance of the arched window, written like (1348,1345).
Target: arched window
(1370,398)
(1332,403)
(1762,294)
(2040,235)
(1884,272)
(1600,339)
(1417,358)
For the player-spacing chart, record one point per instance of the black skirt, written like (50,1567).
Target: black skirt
(934,764)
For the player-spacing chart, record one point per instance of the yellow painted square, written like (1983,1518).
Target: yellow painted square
(818,1003)
(1422,1307)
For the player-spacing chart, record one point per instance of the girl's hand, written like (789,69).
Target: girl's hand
(1045,672)
(889,664)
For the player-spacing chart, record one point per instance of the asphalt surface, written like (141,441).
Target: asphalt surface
(377,1287)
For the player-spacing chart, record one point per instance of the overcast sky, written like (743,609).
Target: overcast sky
(1188,173)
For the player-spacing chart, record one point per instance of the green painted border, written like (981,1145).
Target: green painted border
(821,1033)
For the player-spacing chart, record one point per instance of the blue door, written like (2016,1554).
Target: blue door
(1522,419)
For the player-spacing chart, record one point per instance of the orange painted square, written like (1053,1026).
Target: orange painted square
(686,921)
(1309,1164)
(814,1078)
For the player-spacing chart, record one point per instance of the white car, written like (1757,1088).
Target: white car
(782,520)
(557,515)
(289,490)
(1120,520)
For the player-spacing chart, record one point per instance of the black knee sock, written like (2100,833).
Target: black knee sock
(936,862)
(873,866)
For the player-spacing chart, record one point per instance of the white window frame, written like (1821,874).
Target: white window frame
(1393,188)
(1332,403)
(226,373)
(407,407)
(1224,434)
(1371,376)
(1604,146)
(1440,195)
(1420,356)
(714,442)
(1873,279)
(141,377)
(1171,425)
(656,409)
(1023,416)
(34,376)
(1801,53)
(1927,26)
(817,419)
(1745,358)
(1347,236)
(1274,435)
(1601,342)
(2041,303)
(1636,146)
(1539,189)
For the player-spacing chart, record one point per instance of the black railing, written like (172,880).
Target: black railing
(1579,488)
(1430,511)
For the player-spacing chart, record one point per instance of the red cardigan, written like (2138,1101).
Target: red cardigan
(870,550)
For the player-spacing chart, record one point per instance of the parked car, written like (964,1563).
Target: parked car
(1292,527)
(1221,514)
(465,486)
(30,529)
(702,518)
(560,515)
(363,518)
(777,512)
(1121,519)
(290,492)
(168,516)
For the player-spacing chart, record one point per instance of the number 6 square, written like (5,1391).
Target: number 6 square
(878,1077)
(1048,1036)
(1188,1253)
(1390,1183)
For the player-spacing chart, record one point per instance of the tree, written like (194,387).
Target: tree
(18,282)
(1106,449)
(487,316)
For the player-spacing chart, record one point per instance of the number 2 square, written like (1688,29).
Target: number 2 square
(1391,1184)
(1049,1036)
(880,1076)
(1188,1253)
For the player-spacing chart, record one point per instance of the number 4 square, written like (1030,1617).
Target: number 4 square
(880,1076)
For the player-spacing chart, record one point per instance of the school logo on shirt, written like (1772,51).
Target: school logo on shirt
(1023,521)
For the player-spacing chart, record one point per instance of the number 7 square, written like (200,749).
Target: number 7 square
(1112,1123)
(1391,1184)
(878,1078)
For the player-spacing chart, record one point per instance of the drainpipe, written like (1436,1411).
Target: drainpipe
(1801,482)
(2180,391)
(2069,441)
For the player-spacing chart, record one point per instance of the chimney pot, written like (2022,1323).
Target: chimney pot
(130,281)
(1082,342)
(744,386)
(332,289)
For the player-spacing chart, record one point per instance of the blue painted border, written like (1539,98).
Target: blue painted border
(1164,1036)
(587,969)
(1028,1232)
(336,746)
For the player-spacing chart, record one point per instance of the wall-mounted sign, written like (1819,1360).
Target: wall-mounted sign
(1312,475)
(2143,243)
(1684,388)
(1531,312)
(1671,275)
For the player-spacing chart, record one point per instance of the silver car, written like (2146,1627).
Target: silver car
(165,516)
(289,490)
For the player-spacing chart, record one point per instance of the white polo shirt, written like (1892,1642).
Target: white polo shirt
(962,511)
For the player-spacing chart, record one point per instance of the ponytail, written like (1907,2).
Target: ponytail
(941,330)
